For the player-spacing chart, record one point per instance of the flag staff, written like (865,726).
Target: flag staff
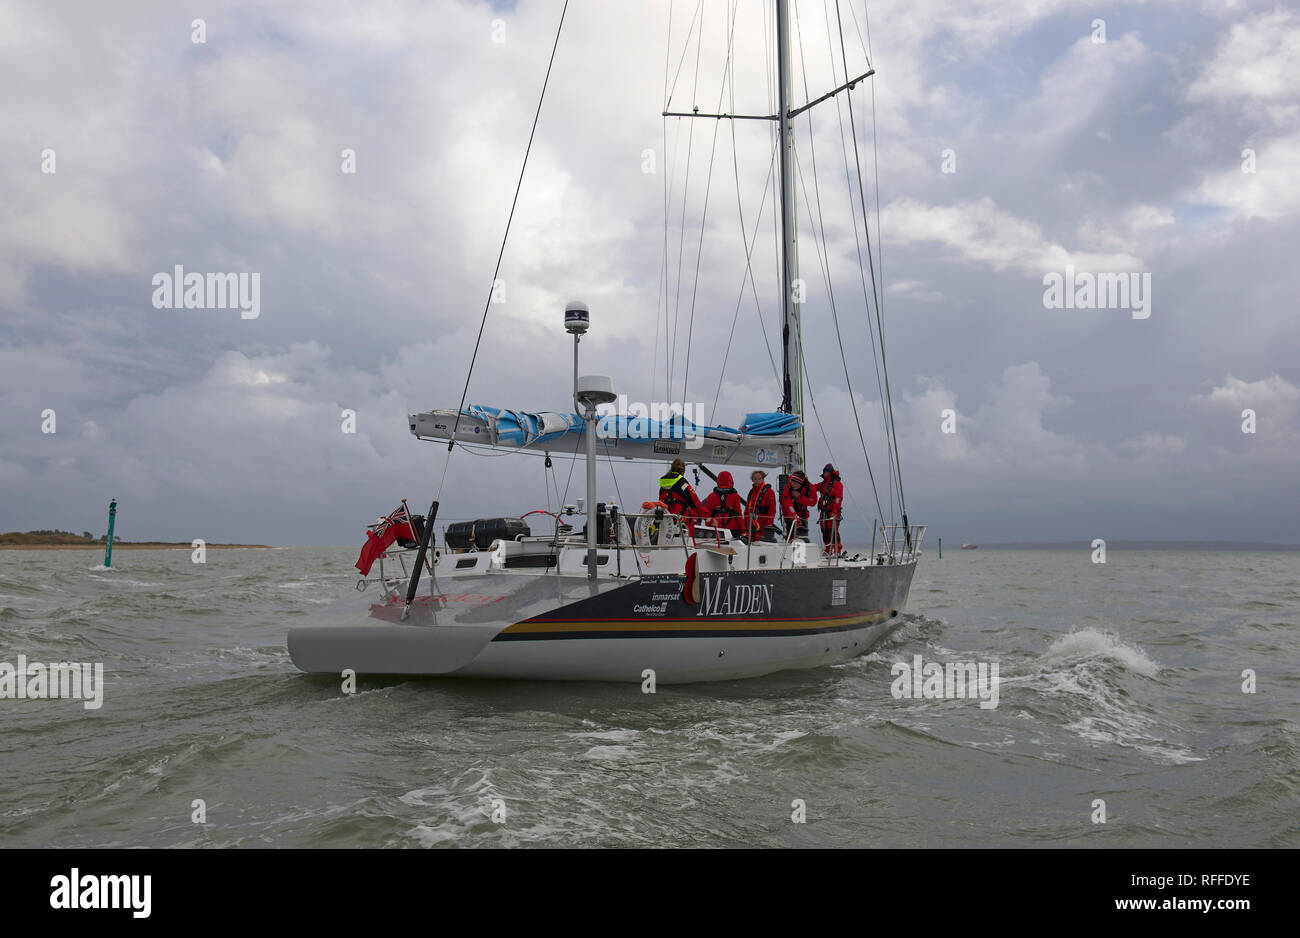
(410,523)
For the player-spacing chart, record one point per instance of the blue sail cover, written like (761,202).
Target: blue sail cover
(519,428)
(770,424)
(762,439)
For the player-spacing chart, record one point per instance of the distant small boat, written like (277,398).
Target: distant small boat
(970,547)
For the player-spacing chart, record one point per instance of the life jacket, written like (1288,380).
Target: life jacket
(826,501)
(801,511)
(668,481)
(672,491)
(755,504)
(724,510)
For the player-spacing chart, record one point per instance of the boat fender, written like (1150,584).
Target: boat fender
(691,581)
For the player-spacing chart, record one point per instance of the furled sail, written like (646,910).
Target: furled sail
(764,439)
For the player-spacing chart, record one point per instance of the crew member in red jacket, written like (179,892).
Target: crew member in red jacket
(724,505)
(797,497)
(760,507)
(830,499)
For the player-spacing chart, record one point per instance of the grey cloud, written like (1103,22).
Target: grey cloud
(226,157)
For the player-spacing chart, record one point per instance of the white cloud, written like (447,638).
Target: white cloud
(914,289)
(226,157)
(1270,193)
(70,224)
(1136,231)
(1003,440)
(1077,88)
(982,233)
(1256,63)
(1275,401)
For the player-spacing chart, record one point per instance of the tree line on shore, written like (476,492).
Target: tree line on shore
(54,536)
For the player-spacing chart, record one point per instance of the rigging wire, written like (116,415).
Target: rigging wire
(823,255)
(685,48)
(573,461)
(747,277)
(823,261)
(548,473)
(671,165)
(880,328)
(501,253)
(686,189)
(618,544)
(865,44)
(704,211)
(769,37)
(862,277)
(880,248)
(812,399)
(667,268)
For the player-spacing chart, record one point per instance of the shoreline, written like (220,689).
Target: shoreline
(99,549)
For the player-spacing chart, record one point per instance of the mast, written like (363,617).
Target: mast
(792,380)
(791,333)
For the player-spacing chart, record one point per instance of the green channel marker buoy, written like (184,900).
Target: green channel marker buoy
(940,548)
(108,548)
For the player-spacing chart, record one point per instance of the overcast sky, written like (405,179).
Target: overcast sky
(227,155)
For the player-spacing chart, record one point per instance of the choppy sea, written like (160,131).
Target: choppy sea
(1124,693)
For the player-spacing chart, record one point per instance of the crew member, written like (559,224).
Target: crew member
(760,507)
(797,497)
(725,507)
(677,494)
(830,499)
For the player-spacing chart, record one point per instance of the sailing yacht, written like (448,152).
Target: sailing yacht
(635,594)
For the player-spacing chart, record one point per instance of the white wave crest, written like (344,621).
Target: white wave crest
(1094,643)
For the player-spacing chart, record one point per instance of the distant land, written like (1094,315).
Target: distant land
(1086,544)
(66,540)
